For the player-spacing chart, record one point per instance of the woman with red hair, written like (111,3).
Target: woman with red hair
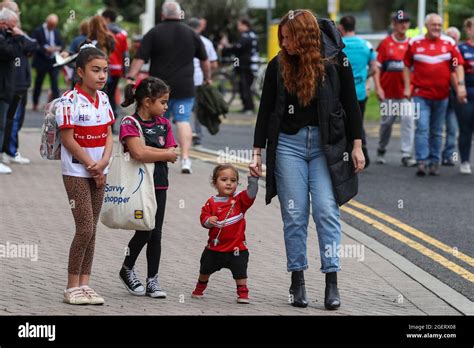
(310,123)
(100,35)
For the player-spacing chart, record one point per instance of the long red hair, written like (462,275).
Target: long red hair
(99,31)
(302,71)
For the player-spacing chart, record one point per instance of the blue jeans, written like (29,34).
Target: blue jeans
(429,129)
(465,114)
(301,171)
(3,121)
(12,147)
(451,132)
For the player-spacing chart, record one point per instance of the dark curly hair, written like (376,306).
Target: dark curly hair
(151,87)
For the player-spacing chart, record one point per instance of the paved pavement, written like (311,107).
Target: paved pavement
(34,211)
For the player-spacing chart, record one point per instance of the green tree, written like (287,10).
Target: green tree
(459,11)
(70,13)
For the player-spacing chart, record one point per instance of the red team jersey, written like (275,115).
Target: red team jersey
(233,231)
(433,62)
(90,120)
(390,55)
(116,58)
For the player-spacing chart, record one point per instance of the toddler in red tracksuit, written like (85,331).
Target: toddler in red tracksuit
(223,215)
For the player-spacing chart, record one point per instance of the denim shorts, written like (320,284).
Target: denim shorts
(180,109)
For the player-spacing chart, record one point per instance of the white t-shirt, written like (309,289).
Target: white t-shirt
(90,121)
(211,55)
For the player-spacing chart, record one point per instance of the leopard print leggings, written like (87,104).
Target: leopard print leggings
(85,200)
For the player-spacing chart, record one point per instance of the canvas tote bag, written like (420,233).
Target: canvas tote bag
(129,199)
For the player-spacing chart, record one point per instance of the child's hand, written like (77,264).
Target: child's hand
(98,167)
(172,156)
(99,181)
(212,221)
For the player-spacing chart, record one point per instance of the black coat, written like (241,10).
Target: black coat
(209,106)
(23,70)
(11,47)
(335,138)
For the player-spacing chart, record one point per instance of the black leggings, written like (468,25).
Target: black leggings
(153,238)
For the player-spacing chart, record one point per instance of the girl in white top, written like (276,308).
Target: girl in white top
(84,117)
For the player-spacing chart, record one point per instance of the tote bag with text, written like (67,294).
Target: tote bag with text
(129,199)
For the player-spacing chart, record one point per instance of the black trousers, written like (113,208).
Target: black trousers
(245,83)
(112,84)
(53,78)
(151,238)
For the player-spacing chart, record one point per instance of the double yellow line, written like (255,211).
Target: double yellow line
(435,256)
(355,209)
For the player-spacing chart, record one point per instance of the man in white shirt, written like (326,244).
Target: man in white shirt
(198,25)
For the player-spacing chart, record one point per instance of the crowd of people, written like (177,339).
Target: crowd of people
(403,71)
(310,116)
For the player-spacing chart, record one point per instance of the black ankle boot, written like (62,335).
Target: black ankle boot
(332,300)
(297,289)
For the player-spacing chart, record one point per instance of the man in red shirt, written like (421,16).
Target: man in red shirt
(388,80)
(433,58)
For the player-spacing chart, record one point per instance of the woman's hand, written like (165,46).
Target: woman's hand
(255,166)
(357,155)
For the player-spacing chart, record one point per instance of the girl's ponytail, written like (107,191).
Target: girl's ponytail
(129,96)
(150,87)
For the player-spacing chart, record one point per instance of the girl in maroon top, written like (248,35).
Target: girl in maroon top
(151,96)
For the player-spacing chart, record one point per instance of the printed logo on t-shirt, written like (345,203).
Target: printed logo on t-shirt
(150,131)
(84,117)
(161,140)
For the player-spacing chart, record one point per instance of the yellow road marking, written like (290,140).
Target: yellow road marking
(413,244)
(417,233)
